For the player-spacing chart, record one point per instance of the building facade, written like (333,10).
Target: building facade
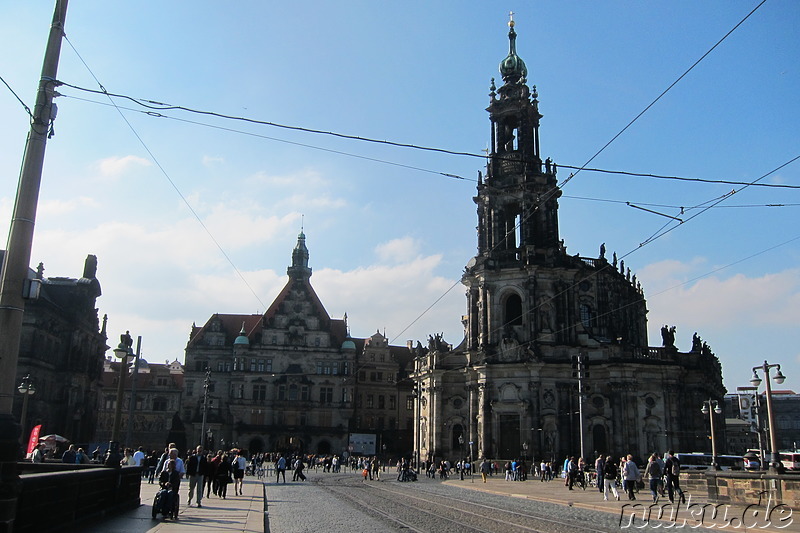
(62,346)
(294,380)
(510,388)
(155,419)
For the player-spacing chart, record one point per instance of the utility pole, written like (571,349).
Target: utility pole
(16,262)
(132,399)
(580,372)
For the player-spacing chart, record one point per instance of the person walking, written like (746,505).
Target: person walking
(599,463)
(280,468)
(653,473)
(238,466)
(609,478)
(223,475)
(486,469)
(630,473)
(195,469)
(672,471)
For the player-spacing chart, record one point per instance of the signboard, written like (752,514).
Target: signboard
(362,443)
(747,409)
(34,439)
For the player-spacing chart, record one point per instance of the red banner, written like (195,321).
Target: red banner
(34,439)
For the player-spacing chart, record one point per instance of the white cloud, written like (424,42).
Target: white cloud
(61,207)
(397,250)
(113,167)
(209,161)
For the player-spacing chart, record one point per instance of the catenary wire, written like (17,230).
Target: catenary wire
(27,109)
(411,167)
(171,182)
(673,84)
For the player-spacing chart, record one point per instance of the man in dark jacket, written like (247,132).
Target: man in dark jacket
(195,467)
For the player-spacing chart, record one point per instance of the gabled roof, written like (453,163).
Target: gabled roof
(231,325)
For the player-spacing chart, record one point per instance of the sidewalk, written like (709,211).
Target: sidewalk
(694,513)
(235,513)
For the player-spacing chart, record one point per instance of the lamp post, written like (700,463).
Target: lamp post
(27,389)
(206,384)
(121,352)
(757,408)
(756,381)
(132,402)
(710,408)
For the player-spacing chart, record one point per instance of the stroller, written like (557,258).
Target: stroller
(166,504)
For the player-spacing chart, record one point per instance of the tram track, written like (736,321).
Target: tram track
(433,511)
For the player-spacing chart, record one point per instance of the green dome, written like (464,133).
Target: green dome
(242,339)
(348,344)
(513,68)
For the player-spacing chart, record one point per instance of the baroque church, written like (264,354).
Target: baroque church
(555,360)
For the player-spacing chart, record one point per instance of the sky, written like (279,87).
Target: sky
(191,215)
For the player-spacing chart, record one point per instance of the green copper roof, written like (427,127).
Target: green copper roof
(513,68)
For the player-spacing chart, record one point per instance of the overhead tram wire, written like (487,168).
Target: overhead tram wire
(163,106)
(155,114)
(169,179)
(664,229)
(24,105)
(665,91)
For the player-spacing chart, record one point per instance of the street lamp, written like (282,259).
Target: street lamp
(708,405)
(132,401)
(756,381)
(26,388)
(121,352)
(754,391)
(206,384)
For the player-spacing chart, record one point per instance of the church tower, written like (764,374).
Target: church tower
(539,319)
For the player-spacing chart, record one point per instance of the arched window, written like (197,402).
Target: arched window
(513,315)
(587,315)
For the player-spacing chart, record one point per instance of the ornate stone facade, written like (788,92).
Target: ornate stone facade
(294,380)
(510,388)
(62,346)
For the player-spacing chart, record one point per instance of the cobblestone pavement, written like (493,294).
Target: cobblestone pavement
(332,503)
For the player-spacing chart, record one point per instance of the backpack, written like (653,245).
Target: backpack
(675,467)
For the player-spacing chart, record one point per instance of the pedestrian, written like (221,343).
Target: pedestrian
(280,468)
(609,477)
(486,469)
(630,473)
(195,467)
(69,455)
(238,466)
(223,475)
(599,463)
(572,472)
(298,470)
(672,471)
(81,458)
(139,459)
(37,456)
(653,473)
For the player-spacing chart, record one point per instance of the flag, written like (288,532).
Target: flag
(34,439)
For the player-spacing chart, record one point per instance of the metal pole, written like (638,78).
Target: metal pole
(132,403)
(16,261)
(24,415)
(206,384)
(711,409)
(773,441)
(123,371)
(581,366)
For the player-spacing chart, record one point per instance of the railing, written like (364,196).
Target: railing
(61,499)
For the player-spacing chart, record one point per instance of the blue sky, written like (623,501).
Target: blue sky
(387,232)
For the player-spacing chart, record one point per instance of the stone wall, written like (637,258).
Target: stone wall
(744,488)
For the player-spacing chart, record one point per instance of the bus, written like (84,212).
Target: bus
(790,460)
(702,461)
